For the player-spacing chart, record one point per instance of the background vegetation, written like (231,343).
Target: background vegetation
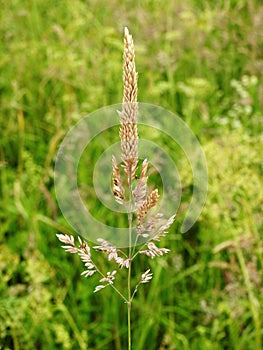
(200,59)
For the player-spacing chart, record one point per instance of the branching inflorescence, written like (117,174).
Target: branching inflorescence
(130,193)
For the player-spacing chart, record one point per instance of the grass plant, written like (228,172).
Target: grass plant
(133,195)
(203,61)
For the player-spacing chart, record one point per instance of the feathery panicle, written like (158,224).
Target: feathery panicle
(154,251)
(118,189)
(162,230)
(111,251)
(150,225)
(69,240)
(130,76)
(140,191)
(149,203)
(129,113)
(146,276)
(123,262)
(108,248)
(83,251)
(66,239)
(87,273)
(98,288)
(108,279)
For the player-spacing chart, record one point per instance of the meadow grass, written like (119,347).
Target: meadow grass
(203,61)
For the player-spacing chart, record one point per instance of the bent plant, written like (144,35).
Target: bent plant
(131,192)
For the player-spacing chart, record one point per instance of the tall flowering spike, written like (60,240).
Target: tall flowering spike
(129,113)
(130,76)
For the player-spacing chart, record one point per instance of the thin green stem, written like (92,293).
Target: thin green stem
(129,284)
(134,247)
(129,269)
(135,291)
(129,325)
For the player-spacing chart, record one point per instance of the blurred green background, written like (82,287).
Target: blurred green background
(203,60)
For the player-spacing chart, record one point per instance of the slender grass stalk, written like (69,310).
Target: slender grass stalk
(129,292)
(129,304)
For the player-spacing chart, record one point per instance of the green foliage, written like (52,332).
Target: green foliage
(201,59)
